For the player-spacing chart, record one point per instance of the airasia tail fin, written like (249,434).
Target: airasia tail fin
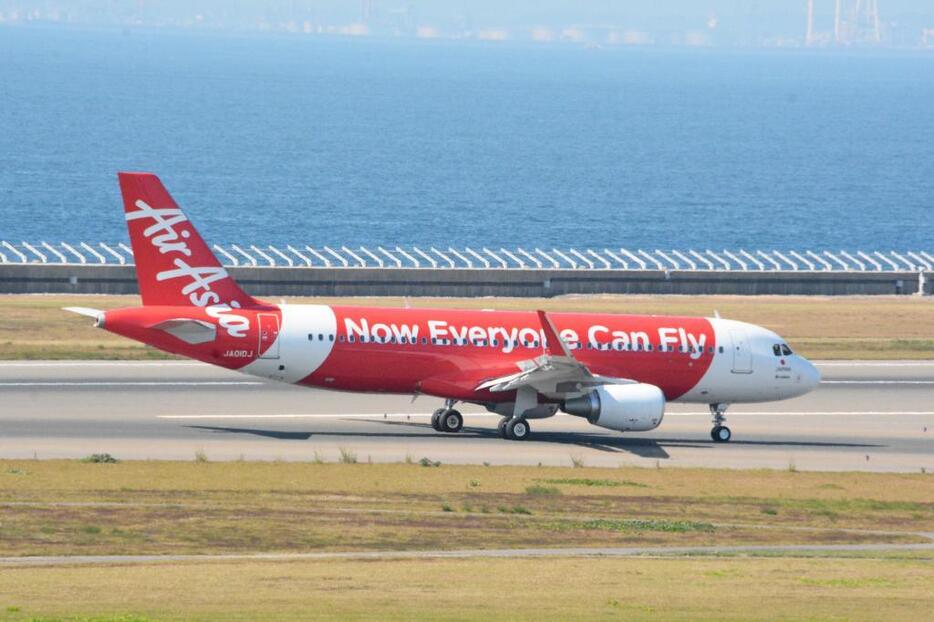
(174,265)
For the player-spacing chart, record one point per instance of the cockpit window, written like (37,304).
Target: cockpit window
(777,349)
(786,350)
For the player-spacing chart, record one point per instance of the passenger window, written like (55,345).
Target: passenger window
(320,336)
(351,339)
(310,337)
(330,337)
(721,349)
(424,341)
(786,350)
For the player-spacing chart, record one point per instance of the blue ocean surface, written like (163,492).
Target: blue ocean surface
(314,140)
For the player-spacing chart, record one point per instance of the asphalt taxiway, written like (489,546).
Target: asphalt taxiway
(866,415)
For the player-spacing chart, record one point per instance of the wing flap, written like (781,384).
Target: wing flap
(554,372)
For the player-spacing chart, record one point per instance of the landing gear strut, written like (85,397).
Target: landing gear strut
(719,433)
(516,427)
(447,419)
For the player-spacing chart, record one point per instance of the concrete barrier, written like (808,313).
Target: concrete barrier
(114,279)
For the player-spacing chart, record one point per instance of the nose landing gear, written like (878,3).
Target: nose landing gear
(719,433)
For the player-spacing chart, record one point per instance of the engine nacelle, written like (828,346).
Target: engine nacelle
(621,407)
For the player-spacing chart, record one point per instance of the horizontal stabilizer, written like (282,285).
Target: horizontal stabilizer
(189,331)
(97,314)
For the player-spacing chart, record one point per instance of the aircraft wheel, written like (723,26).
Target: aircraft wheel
(436,419)
(501,426)
(721,434)
(451,421)
(518,429)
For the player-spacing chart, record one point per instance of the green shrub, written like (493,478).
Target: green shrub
(100,459)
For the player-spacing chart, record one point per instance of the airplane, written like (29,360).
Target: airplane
(616,371)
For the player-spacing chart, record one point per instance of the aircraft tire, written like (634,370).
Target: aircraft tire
(518,429)
(501,426)
(436,419)
(721,434)
(451,421)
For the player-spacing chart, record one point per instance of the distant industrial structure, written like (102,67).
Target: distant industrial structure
(854,22)
(828,22)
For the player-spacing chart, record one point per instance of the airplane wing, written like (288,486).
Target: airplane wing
(554,372)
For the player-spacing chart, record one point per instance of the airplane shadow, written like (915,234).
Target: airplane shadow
(285,436)
(642,447)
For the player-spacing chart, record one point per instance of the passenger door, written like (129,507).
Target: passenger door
(268,335)
(742,355)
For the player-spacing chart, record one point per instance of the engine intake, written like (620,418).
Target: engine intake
(621,407)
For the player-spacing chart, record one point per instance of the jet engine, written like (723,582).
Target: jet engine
(621,407)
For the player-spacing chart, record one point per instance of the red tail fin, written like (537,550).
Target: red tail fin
(174,266)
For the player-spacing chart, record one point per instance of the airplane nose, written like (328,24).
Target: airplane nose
(810,375)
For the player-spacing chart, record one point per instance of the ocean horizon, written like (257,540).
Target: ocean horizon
(333,141)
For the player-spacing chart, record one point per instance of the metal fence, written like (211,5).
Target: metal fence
(504,259)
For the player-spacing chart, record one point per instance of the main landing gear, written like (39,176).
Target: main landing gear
(514,429)
(719,433)
(447,419)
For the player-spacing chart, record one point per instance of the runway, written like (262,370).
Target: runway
(866,416)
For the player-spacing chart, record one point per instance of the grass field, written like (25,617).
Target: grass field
(67,507)
(70,507)
(35,327)
(480,589)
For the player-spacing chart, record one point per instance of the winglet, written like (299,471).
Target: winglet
(553,341)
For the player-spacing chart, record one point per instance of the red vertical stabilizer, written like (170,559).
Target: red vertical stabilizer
(174,265)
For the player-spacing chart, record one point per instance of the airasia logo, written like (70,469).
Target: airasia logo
(197,279)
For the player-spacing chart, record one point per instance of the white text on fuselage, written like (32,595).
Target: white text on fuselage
(163,236)
(508,339)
